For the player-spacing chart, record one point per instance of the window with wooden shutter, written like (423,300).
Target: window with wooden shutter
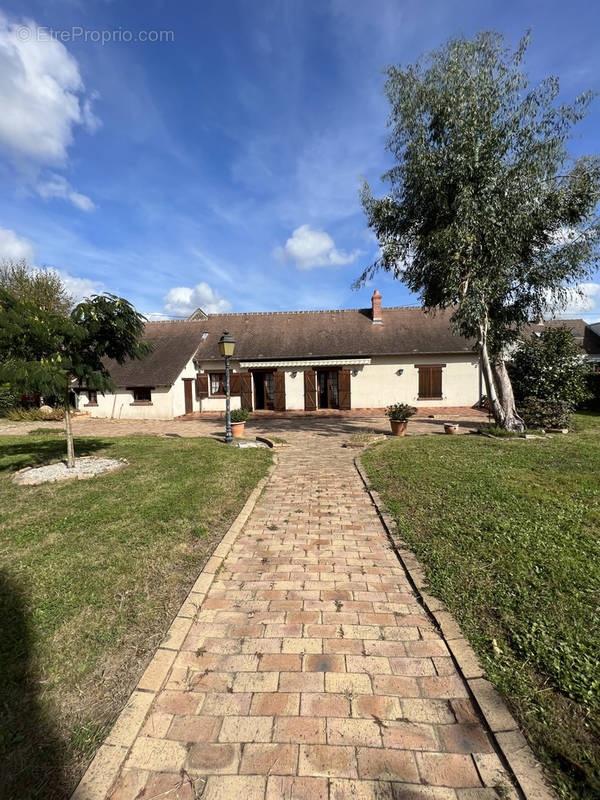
(235,384)
(279,400)
(201,386)
(310,391)
(344,389)
(430,381)
(246,390)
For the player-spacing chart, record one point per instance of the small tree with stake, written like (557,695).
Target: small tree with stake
(486,214)
(45,351)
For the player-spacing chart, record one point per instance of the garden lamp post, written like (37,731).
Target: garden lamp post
(226,348)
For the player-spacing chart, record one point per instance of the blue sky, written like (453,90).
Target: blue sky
(221,167)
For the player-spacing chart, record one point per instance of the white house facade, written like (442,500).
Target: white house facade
(308,361)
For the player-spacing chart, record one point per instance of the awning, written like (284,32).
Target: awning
(307,363)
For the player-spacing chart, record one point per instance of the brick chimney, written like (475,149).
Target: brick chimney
(376,306)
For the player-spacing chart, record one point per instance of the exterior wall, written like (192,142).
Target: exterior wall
(294,389)
(217,403)
(118,405)
(377,385)
(178,391)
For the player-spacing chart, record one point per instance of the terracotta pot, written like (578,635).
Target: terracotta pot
(451,428)
(237,430)
(398,427)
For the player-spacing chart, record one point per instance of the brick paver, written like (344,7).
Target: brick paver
(310,670)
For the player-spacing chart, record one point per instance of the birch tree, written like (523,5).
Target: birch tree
(486,213)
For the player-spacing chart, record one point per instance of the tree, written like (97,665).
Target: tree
(46,351)
(550,367)
(44,287)
(485,215)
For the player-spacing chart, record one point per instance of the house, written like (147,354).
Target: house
(296,361)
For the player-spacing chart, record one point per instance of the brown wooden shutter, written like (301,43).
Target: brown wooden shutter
(279,400)
(310,390)
(201,386)
(246,390)
(235,384)
(430,382)
(344,389)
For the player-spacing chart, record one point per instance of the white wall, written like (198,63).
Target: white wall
(377,385)
(294,389)
(119,405)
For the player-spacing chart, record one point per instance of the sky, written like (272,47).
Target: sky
(210,154)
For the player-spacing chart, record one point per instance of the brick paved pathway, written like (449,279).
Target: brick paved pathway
(311,672)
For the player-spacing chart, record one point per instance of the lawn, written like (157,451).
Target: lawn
(91,574)
(508,533)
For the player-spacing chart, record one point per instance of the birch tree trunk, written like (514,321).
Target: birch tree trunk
(512,420)
(488,376)
(68,429)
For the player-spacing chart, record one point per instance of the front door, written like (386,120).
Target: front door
(187,389)
(264,391)
(328,388)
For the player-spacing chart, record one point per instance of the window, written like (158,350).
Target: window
(217,383)
(142,394)
(92,397)
(430,381)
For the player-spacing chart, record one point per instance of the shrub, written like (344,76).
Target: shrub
(400,412)
(20,414)
(239,415)
(7,398)
(593,385)
(539,413)
(550,366)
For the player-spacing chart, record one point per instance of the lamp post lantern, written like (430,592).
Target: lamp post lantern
(226,348)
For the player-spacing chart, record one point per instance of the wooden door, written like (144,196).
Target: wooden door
(344,389)
(246,390)
(279,378)
(187,393)
(310,390)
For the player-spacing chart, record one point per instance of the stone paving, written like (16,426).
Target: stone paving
(310,671)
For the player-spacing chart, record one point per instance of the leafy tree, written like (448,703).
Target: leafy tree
(550,367)
(46,351)
(485,215)
(44,287)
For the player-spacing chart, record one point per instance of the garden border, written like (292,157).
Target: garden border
(502,726)
(102,772)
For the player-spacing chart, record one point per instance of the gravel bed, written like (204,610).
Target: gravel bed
(84,468)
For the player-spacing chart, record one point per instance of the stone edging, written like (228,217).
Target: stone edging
(104,768)
(502,726)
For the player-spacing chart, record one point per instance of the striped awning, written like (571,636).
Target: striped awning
(307,363)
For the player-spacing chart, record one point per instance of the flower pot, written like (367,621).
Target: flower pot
(398,427)
(237,430)
(451,428)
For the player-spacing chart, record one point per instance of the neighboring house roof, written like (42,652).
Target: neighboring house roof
(586,336)
(173,345)
(317,334)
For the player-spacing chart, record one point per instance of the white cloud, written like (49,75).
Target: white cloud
(13,247)
(58,186)
(181,301)
(43,100)
(310,248)
(581,298)
(80,288)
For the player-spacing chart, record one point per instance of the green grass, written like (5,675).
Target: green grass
(508,532)
(91,574)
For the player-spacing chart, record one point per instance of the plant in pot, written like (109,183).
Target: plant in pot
(398,415)
(238,420)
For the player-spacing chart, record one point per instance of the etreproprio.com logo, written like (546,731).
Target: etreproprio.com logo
(26,33)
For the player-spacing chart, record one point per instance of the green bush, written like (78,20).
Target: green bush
(593,385)
(550,366)
(540,413)
(7,398)
(239,415)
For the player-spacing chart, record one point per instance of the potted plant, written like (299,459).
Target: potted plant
(238,420)
(398,415)
(451,428)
